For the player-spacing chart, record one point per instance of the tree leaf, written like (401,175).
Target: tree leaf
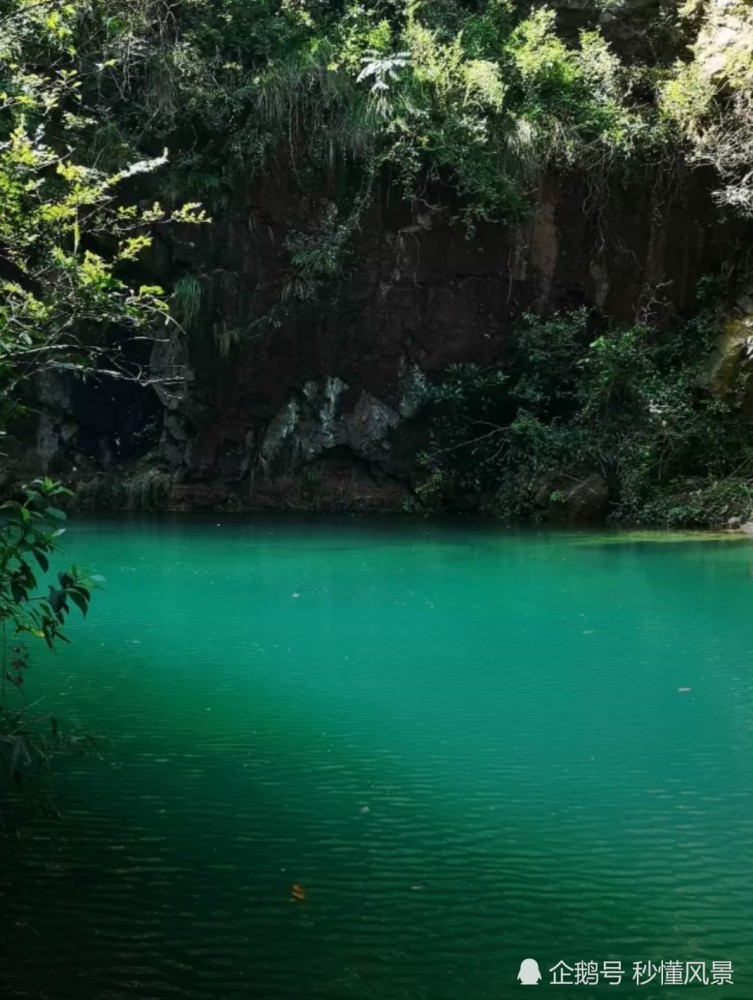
(42,559)
(81,602)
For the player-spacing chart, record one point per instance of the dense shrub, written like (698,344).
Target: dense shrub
(479,93)
(575,401)
(480,96)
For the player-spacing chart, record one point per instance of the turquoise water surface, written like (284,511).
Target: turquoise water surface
(467,746)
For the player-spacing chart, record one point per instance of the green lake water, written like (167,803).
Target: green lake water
(469,746)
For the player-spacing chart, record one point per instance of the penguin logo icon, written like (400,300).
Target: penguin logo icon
(529,974)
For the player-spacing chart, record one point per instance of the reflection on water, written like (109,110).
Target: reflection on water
(390,759)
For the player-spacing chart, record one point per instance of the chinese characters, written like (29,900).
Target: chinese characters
(664,973)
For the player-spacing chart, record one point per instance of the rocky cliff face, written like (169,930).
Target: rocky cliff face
(316,403)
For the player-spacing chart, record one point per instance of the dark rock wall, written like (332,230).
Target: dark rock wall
(313,403)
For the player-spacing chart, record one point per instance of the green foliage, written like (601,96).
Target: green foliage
(708,100)
(29,532)
(481,96)
(381,71)
(699,502)
(466,433)
(187,299)
(317,257)
(29,745)
(65,238)
(547,354)
(71,237)
(28,536)
(640,412)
